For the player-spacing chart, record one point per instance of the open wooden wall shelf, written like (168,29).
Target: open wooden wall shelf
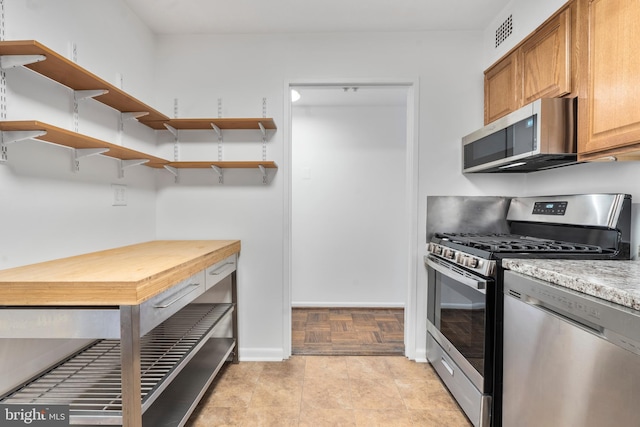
(205,124)
(66,138)
(39,58)
(224,164)
(68,73)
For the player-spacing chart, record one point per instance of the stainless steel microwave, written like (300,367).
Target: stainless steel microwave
(540,135)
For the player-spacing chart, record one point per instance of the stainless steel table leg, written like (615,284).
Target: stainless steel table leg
(130,359)
(234,300)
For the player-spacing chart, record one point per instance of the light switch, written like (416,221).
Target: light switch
(119,194)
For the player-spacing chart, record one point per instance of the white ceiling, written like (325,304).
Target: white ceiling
(313,16)
(318,16)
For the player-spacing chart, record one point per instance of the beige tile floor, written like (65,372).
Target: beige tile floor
(328,391)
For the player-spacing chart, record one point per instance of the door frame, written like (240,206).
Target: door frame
(410,208)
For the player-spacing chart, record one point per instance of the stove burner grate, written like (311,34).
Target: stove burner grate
(515,243)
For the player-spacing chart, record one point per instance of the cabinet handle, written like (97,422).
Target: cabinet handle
(193,287)
(446,366)
(217,270)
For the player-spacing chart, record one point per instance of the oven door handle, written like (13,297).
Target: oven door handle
(467,279)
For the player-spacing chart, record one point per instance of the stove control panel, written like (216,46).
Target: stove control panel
(549,208)
(482,266)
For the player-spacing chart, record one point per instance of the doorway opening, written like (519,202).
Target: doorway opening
(351,186)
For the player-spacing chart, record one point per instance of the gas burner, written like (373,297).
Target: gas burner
(515,243)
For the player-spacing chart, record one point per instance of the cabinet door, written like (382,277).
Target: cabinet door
(500,94)
(545,60)
(610,113)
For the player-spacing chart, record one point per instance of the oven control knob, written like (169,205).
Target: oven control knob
(448,253)
(470,262)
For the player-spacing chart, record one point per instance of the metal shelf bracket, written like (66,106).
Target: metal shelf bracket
(264,140)
(173,171)
(263,171)
(218,170)
(11,136)
(129,163)
(128,116)
(217,130)
(176,146)
(133,115)
(13,61)
(219,133)
(80,153)
(80,95)
(171,129)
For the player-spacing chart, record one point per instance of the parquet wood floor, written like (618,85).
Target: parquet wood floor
(348,331)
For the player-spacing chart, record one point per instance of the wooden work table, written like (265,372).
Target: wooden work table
(126,275)
(152,321)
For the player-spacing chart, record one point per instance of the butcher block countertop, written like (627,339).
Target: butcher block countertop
(127,275)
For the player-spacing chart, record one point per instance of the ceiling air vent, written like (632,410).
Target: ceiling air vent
(504,30)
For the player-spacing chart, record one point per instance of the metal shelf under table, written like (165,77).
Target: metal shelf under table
(90,381)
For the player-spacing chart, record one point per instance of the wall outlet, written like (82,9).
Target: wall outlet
(119,194)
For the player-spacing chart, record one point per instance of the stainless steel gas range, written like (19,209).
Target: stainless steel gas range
(464,282)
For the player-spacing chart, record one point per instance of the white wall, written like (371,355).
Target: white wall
(348,191)
(241,70)
(47,211)
(50,211)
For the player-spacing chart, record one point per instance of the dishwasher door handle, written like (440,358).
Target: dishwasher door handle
(573,320)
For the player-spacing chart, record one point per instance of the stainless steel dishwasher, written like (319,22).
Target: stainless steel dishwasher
(569,359)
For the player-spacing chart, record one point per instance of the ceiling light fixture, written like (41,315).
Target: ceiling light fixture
(295,95)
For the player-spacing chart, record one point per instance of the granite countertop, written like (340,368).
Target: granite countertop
(615,281)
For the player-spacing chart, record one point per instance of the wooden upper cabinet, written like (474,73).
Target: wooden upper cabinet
(500,91)
(609,111)
(545,61)
(540,66)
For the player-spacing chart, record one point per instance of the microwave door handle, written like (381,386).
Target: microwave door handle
(476,283)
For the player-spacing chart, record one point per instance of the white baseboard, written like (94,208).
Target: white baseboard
(309,304)
(261,354)
(421,356)
(276,355)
